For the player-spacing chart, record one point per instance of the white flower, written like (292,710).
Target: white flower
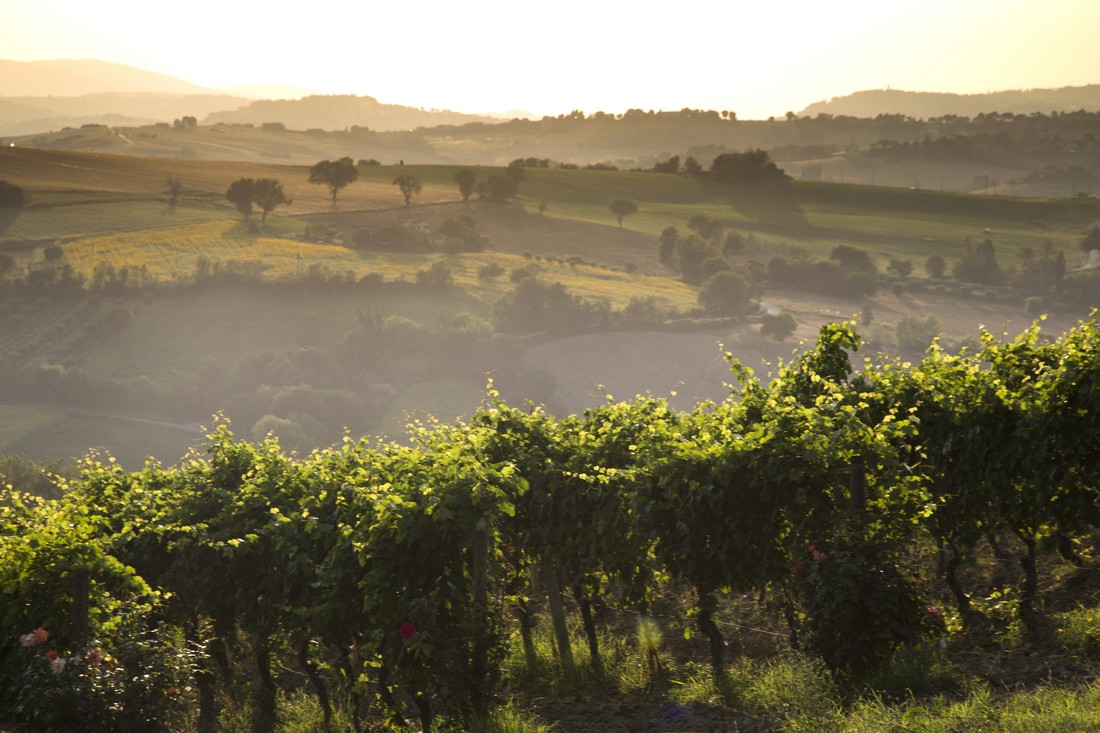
(57,665)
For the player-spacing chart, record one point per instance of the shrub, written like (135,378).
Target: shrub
(852,258)
(778,327)
(914,333)
(860,604)
(644,310)
(437,275)
(135,680)
(11,196)
(726,293)
(935,266)
(489,272)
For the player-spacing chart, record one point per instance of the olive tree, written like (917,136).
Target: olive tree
(336,174)
(621,208)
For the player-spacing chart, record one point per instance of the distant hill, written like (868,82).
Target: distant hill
(336,112)
(29,115)
(40,96)
(44,96)
(70,78)
(267,91)
(923,105)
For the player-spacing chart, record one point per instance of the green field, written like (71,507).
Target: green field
(45,434)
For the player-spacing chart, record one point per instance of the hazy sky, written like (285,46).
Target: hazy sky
(757,58)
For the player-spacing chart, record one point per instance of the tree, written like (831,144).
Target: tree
(915,333)
(753,166)
(336,174)
(516,172)
(672,165)
(979,264)
(467,183)
(688,257)
(692,166)
(707,228)
(726,293)
(1041,272)
(903,268)
(438,275)
(621,208)
(174,188)
(498,189)
(666,246)
(852,258)
(241,193)
(267,193)
(935,266)
(409,186)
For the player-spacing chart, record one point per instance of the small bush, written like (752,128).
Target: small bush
(778,327)
(489,272)
(860,604)
(11,196)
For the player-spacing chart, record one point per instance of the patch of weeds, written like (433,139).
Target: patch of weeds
(1077,632)
(509,719)
(790,686)
(914,671)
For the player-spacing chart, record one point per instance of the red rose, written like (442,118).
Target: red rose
(407,630)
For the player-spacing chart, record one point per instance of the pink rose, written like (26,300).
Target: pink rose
(34,638)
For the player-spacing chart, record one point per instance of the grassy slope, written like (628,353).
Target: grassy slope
(46,433)
(811,214)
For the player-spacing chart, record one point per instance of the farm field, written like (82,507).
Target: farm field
(111,210)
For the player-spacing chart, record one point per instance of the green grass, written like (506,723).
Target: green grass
(1078,632)
(79,215)
(1044,710)
(44,434)
(890,221)
(817,216)
(19,422)
(797,694)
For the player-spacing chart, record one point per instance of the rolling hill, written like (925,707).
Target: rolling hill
(71,78)
(328,334)
(924,105)
(44,96)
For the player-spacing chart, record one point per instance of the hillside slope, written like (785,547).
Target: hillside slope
(923,105)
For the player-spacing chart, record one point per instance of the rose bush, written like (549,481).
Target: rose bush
(860,603)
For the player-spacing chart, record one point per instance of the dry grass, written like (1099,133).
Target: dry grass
(44,171)
(169,254)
